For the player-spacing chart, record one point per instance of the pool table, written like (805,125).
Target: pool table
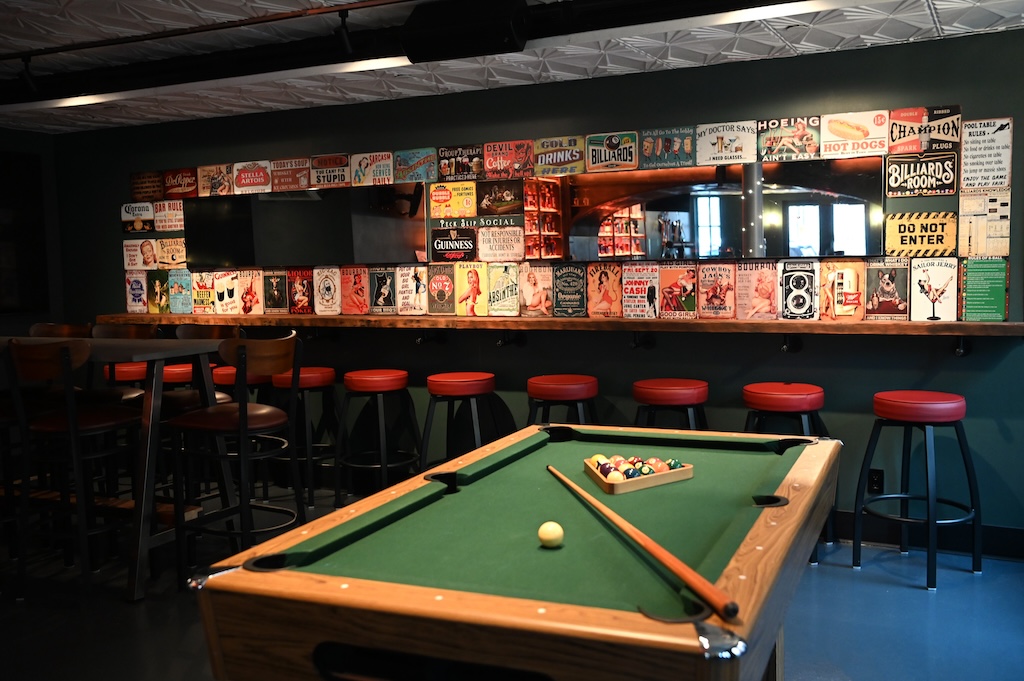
(442,576)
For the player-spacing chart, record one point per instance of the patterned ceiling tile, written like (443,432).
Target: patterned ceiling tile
(32,24)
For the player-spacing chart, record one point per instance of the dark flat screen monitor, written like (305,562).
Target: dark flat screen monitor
(219,232)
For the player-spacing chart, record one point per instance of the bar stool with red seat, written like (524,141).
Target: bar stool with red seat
(240,432)
(923,410)
(452,388)
(684,395)
(320,380)
(569,390)
(799,402)
(132,373)
(375,385)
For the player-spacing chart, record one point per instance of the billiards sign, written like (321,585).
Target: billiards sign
(612,151)
(921,174)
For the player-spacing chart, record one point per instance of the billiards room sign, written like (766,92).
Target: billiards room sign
(920,235)
(933,174)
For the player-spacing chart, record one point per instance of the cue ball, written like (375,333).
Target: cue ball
(550,535)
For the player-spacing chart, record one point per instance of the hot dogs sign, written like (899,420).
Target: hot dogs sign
(861,133)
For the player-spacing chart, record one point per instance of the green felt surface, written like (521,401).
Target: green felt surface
(483,538)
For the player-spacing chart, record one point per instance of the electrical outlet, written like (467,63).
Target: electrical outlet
(876,481)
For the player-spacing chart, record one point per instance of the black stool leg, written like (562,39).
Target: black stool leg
(409,412)
(449,427)
(908,434)
(639,414)
(751,425)
(862,488)
(533,410)
(427,426)
(308,425)
(382,435)
(691,418)
(805,424)
(933,534)
(475,411)
(581,416)
(819,425)
(342,449)
(702,419)
(972,486)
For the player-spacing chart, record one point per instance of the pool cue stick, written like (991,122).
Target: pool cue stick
(718,600)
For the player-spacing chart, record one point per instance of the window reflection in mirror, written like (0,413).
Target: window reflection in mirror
(807,208)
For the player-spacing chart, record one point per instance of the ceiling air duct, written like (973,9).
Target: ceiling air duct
(456,29)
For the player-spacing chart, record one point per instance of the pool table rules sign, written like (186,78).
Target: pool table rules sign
(442,575)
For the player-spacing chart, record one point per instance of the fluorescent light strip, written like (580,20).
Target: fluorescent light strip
(325,70)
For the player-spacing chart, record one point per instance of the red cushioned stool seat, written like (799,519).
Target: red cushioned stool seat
(225,377)
(453,387)
(783,397)
(799,401)
(314,379)
(920,405)
(135,372)
(376,385)
(376,380)
(309,377)
(686,395)
(919,410)
(460,383)
(126,372)
(571,390)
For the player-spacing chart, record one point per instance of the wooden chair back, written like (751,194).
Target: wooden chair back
(125,331)
(51,330)
(261,356)
(209,331)
(47,362)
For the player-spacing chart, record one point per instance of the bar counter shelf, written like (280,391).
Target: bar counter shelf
(963,329)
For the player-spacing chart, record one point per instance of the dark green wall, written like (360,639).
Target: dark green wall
(39,182)
(93,170)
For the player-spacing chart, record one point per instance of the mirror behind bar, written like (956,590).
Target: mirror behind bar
(774,210)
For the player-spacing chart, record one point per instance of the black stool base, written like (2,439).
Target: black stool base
(693,415)
(543,409)
(971,511)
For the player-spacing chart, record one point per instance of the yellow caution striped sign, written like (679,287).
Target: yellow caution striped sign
(920,235)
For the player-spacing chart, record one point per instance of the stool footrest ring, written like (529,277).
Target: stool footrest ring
(968,511)
(353,461)
(205,523)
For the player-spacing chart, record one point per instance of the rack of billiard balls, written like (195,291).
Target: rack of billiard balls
(617,474)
